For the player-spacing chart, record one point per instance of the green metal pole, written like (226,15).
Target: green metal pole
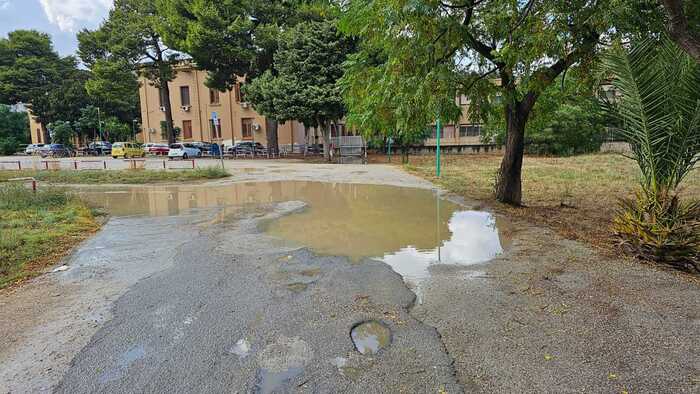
(389,141)
(437,152)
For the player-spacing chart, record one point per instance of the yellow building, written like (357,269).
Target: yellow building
(204,114)
(36,130)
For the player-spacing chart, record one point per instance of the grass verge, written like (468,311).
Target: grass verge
(576,196)
(118,177)
(38,229)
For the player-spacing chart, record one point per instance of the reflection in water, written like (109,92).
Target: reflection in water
(474,239)
(409,229)
(370,337)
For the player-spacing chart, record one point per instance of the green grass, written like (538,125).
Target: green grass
(37,229)
(117,177)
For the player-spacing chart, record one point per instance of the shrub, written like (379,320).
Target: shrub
(658,109)
(662,229)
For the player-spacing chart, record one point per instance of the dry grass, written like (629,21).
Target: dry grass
(577,196)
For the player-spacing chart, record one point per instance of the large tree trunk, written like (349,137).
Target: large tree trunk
(326,133)
(508,185)
(679,30)
(272,139)
(165,94)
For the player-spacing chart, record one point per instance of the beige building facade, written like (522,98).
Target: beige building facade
(203,114)
(208,115)
(36,130)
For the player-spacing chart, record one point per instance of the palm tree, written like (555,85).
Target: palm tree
(657,103)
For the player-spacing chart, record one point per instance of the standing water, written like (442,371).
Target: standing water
(409,229)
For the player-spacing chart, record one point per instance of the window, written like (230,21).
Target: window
(185,96)
(469,130)
(213,96)
(215,128)
(463,100)
(187,129)
(38,135)
(237,92)
(247,125)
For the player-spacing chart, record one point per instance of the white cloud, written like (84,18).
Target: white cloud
(4,4)
(71,15)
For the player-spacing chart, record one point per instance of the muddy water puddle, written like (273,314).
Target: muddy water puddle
(370,337)
(409,229)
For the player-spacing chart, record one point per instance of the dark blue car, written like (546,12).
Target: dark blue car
(55,150)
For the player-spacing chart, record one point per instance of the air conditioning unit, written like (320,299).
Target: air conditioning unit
(256,127)
(186,108)
(244,105)
(162,109)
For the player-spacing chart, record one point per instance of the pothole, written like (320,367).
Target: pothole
(370,337)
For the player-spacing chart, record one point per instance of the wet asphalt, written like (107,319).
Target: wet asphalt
(235,311)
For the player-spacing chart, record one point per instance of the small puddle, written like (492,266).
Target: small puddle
(412,230)
(267,382)
(370,337)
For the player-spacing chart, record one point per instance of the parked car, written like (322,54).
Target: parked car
(99,148)
(156,149)
(205,147)
(55,150)
(246,147)
(127,150)
(183,151)
(32,149)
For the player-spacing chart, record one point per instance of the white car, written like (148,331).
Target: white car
(32,149)
(183,151)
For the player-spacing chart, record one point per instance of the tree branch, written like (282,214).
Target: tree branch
(479,78)
(678,28)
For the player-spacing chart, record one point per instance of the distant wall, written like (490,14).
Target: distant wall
(615,147)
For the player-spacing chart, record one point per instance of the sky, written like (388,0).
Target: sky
(62,19)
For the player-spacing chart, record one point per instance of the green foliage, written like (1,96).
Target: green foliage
(308,64)
(116,130)
(417,56)
(32,72)
(114,86)
(658,109)
(62,133)
(566,120)
(118,176)
(575,130)
(125,46)
(88,122)
(14,130)
(37,227)
(229,38)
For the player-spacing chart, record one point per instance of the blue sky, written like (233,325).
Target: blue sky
(62,19)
